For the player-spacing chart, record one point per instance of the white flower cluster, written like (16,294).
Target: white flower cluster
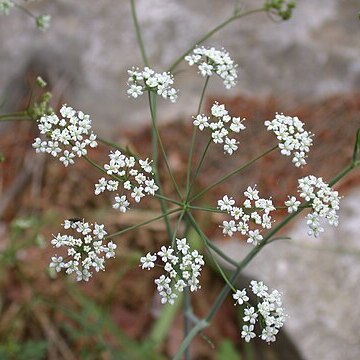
(5,6)
(65,137)
(324,202)
(85,250)
(211,61)
(182,267)
(147,80)
(221,125)
(255,211)
(268,312)
(122,170)
(293,139)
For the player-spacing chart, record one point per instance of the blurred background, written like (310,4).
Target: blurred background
(308,66)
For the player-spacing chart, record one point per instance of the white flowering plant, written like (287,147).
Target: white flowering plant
(85,247)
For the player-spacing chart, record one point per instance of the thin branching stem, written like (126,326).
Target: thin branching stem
(23,115)
(199,167)
(232,173)
(138,33)
(154,140)
(209,243)
(159,141)
(212,32)
(133,227)
(188,172)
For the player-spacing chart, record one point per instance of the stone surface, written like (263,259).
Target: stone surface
(319,279)
(91,45)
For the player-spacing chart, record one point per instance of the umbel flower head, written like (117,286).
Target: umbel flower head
(268,312)
(325,203)
(221,125)
(85,250)
(134,175)
(182,269)
(211,61)
(147,79)
(293,139)
(65,137)
(250,218)
(43,22)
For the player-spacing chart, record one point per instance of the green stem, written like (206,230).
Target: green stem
(188,172)
(187,324)
(116,146)
(213,210)
(173,211)
(154,140)
(162,197)
(176,229)
(153,119)
(232,173)
(202,324)
(138,33)
(15,116)
(199,167)
(212,32)
(25,10)
(209,243)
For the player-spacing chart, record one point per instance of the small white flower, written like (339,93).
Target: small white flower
(230,145)
(148,261)
(240,297)
(146,165)
(250,315)
(259,288)
(135,90)
(121,203)
(247,332)
(229,227)
(137,193)
(150,187)
(57,263)
(292,204)
(201,121)
(226,203)
(182,245)
(254,237)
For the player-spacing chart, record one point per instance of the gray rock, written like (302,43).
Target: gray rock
(91,45)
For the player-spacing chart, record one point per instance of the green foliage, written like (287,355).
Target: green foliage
(24,232)
(29,350)
(41,107)
(94,326)
(227,351)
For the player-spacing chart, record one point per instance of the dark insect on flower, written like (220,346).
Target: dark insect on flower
(74,219)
